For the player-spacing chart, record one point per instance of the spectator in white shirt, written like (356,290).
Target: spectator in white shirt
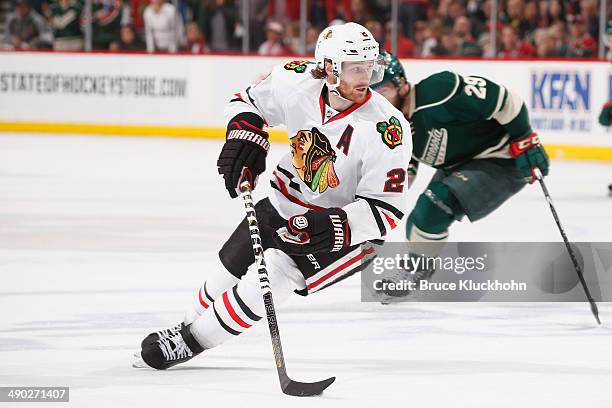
(163,27)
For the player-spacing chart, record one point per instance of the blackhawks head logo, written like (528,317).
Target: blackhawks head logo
(297,66)
(391,132)
(313,159)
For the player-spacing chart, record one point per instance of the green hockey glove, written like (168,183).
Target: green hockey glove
(530,154)
(605,117)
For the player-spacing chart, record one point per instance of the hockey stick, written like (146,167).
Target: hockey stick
(289,386)
(538,174)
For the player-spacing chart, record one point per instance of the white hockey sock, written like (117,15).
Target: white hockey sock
(240,307)
(210,290)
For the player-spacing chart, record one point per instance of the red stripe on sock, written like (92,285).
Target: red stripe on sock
(233,313)
(202,301)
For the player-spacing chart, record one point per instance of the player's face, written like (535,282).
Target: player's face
(355,80)
(390,92)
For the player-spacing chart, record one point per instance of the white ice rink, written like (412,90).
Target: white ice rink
(104,239)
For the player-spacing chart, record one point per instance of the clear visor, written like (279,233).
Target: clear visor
(363,72)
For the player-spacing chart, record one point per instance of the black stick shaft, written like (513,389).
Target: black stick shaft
(288,386)
(265,283)
(594,309)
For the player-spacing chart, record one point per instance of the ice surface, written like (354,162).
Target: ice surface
(104,239)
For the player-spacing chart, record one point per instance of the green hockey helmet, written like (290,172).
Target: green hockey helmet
(393,70)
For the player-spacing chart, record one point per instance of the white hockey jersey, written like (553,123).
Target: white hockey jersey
(356,159)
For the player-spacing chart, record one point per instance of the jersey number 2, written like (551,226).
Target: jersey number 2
(395,181)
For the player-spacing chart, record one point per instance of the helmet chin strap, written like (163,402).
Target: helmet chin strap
(333,89)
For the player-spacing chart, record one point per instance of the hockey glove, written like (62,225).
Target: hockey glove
(530,154)
(243,156)
(315,231)
(605,117)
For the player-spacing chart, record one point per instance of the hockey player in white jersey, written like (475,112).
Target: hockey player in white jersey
(341,184)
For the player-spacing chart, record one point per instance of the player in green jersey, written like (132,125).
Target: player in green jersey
(477,134)
(605,119)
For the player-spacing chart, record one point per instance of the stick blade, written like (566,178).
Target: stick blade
(595,312)
(300,389)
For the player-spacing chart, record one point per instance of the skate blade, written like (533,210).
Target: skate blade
(139,362)
(391,300)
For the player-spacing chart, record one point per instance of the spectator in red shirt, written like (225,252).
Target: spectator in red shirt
(462,30)
(512,46)
(195,39)
(338,9)
(580,42)
(137,8)
(376,28)
(361,11)
(289,10)
(405,46)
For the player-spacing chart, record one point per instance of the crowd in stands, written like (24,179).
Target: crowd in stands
(525,28)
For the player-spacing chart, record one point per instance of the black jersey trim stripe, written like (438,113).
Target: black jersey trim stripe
(250,98)
(222,323)
(379,222)
(285,172)
(274,186)
(384,205)
(290,176)
(247,311)
(207,295)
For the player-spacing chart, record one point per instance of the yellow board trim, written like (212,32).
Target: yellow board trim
(574,152)
(556,151)
(124,130)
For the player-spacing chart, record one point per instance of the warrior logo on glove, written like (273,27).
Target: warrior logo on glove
(313,159)
(300,222)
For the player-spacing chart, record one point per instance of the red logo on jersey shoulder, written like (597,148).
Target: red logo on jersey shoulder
(391,132)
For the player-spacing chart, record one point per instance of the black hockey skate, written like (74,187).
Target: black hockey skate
(153,337)
(388,296)
(167,348)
